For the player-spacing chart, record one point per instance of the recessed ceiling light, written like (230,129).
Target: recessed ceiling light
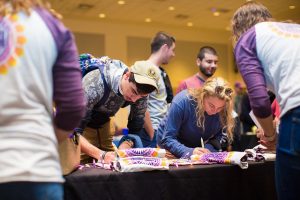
(171,8)
(190,24)
(102,15)
(292,7)
(216,14)
(148,20)
(121,2)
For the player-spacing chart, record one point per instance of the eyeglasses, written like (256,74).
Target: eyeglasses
(219,89)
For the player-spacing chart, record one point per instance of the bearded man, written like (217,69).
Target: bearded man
(207,61)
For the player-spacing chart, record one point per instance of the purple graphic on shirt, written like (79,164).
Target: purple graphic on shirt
(12,40)
(5,40)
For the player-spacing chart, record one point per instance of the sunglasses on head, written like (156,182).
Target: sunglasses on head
(219,89)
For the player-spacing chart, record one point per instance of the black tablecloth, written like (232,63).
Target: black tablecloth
(185,182)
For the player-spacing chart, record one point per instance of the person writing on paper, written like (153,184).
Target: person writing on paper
(267,55)
(196,115)
(107,89)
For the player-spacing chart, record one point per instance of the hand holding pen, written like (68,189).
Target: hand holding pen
(201,150)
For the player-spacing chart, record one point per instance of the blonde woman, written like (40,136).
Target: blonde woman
(196,119)
(268,56)
(38,66)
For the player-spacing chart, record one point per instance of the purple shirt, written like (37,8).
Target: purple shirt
(253,74)
(69,100)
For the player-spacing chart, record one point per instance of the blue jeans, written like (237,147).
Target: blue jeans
(134,138)
(31,191)
(146,140)
(287,166)
(140,139)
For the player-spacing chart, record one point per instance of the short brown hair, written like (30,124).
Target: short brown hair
(206,49)
(160,39)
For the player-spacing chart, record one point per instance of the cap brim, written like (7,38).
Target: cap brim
(144,80)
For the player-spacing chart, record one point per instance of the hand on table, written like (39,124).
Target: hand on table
(108,157)
(271,145)
(270,140)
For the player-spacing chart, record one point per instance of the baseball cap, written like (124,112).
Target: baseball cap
(145,72)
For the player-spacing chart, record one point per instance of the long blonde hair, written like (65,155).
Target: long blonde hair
(246,16)
(10,7)
(215,87)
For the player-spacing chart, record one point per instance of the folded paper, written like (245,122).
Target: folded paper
(145,152)
(233,157)
(139,163)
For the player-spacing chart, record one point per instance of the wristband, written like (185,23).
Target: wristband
(75,137)
(270,138)
(102,155)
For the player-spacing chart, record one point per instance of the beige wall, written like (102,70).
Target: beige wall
(183,64)
(131,42)
(90,43)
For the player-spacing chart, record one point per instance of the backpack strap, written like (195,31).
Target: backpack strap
(168,85)
(106,88)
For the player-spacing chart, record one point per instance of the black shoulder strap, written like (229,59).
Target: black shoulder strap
(106,88)
(168,85)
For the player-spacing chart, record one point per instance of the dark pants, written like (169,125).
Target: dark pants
(31,191)
(140,139)
(146,139)
(287,165)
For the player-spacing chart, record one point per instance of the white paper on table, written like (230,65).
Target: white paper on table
(255,119)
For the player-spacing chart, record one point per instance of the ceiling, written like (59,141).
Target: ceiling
(197,12)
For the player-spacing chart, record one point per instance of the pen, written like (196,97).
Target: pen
(115,147)
(202,143)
